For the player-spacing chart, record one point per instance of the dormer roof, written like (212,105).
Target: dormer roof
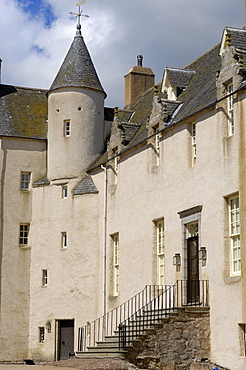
(77,69)
(175,80)
(235,37)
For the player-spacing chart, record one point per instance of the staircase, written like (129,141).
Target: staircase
(113,334)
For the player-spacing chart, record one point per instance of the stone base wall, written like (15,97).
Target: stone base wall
(181,340)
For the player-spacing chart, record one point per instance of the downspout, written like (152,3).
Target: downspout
(104,241)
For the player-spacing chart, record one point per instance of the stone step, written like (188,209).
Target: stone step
(101,354)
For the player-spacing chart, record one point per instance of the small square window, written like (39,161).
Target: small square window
(64,239)
(41,334)
(67,128)
(25,180)
(44,277)
(23,235)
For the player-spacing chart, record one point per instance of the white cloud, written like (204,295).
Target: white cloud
(168,32)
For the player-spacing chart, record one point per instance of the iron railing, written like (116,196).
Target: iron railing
(146,307)
(171,299)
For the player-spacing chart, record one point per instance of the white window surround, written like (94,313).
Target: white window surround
(115,239)
(234,234)
(25,181)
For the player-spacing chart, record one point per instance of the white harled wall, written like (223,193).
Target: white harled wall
(16,155)
(70,156)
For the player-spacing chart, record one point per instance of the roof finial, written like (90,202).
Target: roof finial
(78,15)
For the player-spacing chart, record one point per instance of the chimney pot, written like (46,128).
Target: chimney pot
(140,60)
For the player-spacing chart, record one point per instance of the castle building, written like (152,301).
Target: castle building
(99,203)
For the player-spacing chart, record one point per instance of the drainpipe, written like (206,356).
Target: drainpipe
(104,241)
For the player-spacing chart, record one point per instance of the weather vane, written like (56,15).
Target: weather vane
(79,14)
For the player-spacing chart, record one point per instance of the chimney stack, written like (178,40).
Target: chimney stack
(138,80)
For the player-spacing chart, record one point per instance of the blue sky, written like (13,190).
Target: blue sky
(38,33)
(38,9)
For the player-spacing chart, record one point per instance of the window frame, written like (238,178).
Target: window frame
(115,239)
(64,243)
(230,109)
(234,225)
(25,183)
(64,191)
(193,142)
(24,229)
(67,128)
(44,277)
(115,164)
(160,250)
(41,334)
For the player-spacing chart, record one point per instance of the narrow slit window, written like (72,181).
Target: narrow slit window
(44,277)
(67,128)
(41,334)
(64,192)
(193,142)
(64,239)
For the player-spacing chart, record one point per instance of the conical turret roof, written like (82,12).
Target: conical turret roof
(77,69)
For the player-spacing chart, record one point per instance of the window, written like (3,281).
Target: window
(25,180)
(67,128)
(116,167)
(116,263)
(44,277)
(23,235)
(64,239)
(234,229)
(157,146)
(160,250)
(41,334)
(243,338)
(193,141)
(231,128)
(64,192)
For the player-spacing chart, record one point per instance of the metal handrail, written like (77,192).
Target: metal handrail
(183,293)
(133,316)
(107,324)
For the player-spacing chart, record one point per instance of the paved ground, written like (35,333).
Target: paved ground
(82,364)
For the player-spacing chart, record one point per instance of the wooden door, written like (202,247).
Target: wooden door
(193,292)
(65,339)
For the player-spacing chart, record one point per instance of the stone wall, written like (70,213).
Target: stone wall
(181,340)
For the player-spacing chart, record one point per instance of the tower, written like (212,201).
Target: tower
(75,114)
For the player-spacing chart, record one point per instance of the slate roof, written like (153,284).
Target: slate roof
(86,186)
(77,69)
(23,112)
(179,77)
